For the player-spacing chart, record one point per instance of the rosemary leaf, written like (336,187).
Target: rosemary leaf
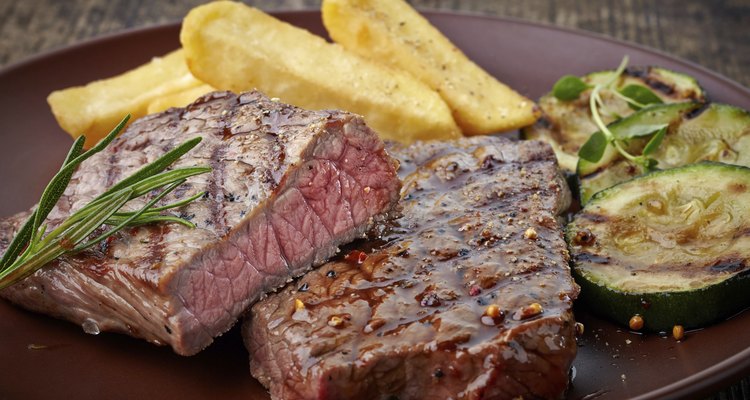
(53,249)
(158,165)
(135,215)
(168,206)
(56,187)
(31,249)
(53,191)
(144,219)
(152,182)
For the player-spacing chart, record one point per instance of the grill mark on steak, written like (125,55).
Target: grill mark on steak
(182,287)
(215,188)
(155,254)
(113,172)
(379,325)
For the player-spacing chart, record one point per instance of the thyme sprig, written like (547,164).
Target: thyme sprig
(32,247)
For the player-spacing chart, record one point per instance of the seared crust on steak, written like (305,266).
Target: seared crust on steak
(287,187)
(408,319)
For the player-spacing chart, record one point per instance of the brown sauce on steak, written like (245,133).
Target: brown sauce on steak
(471,281)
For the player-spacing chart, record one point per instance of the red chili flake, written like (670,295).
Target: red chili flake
(356,257)
(474,290)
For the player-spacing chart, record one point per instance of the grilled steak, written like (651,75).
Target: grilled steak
(287,187)
(467,296)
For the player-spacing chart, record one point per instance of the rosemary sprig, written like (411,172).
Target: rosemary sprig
(31,249)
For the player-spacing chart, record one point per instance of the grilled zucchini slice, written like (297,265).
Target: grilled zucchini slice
(714,132)
(672,246)
(566,125)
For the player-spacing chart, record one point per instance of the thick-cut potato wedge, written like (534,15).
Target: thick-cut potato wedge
(179,99)
(93,110)
(392,32)
(234,47)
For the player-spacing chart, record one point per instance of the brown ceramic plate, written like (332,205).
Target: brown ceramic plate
(46,358)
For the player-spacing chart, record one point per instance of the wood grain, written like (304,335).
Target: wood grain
(713,34)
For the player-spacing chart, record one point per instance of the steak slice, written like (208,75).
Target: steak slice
(406,317)
(287,187)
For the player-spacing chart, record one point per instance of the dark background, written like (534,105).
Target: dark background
(715,34)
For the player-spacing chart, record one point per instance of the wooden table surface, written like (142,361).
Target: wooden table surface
(714,34)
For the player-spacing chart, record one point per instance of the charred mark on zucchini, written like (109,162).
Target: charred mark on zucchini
(695,113)
(660,86)
(638,71)
(651,79)
(729,266)
(672,246)
(545,122)
(593,217)
(738,188)
(592,258)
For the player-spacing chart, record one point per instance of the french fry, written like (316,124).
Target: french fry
(178,99)
(392,32)
(234,47)
(93,109)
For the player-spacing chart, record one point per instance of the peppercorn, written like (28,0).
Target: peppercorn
(579,329)
(678,332)
(636,322)
(492,311)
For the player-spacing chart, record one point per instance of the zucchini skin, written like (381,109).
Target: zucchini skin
(713,121)
(727,273)
(661,311)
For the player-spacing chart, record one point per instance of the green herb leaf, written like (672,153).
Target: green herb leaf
(71,235)
(640,95)
(158,165)
(569,87)
(145,218)
(648,164)
(52,194)
(135,215)
(655,141)
(593,149)
(636,130)
(168,206)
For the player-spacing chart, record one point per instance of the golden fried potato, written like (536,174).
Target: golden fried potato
(178,99)
(392,32)
(234,47)
(93,110)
